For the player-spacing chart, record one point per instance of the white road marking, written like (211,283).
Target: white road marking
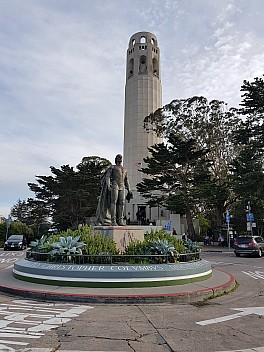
(258,349)
(24,320)
(8,267)
(50,350)
(244,311)
(255,275)
(13,343)
(10,334)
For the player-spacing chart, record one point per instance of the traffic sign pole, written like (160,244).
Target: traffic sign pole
(228,232)
(250,218)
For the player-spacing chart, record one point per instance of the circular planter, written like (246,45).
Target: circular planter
(120,276)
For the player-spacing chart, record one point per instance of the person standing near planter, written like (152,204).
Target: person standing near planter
(174,233)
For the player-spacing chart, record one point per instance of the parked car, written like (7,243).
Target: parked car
(248,244)
(15,242)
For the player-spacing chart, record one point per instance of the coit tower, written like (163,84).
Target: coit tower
(143,95)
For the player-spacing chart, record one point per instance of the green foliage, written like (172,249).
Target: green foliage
(204,225)
(253,97)
(71,196)
(68,242)
(32,213)
(164,235)
(67,246)
(39,244)
(86,242)
(157,242)
(163,247)
(138,248)
(2,234)
(44,244)
(191,246)
(173,168)
(156,235)
(196,174)
(15,228)
(19,228)
(98,243)
(248,167)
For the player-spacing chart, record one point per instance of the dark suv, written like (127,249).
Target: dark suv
(249,245)
(15,242)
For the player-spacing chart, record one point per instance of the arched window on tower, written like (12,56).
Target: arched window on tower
(155,67)
(153,41)
(142,64)
(143,40)
(133,42)
(130,68)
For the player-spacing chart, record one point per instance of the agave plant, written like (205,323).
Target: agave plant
(67,246)
(38,243)
(164,248)
(191,246)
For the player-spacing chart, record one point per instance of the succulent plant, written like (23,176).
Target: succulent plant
(163,247)
(191,246)
(67,246)
(38,243)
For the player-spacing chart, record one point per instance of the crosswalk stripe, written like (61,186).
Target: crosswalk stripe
(19,343)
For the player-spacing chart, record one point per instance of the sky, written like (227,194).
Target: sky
(63,64)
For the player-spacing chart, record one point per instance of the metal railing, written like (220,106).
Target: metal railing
(112,259)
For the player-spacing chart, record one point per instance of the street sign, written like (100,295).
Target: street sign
(227,218)
(8,221)
(244,311)
(248,226)
(250,217)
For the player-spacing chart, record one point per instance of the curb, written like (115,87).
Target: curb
(174,298)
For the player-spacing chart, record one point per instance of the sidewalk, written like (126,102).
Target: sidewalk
(215,248)
(219,283)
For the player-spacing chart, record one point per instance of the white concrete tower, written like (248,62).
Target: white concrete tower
(143,95)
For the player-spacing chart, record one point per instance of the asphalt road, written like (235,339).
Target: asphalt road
(233,322)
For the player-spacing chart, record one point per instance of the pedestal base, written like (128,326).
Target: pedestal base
(122,235)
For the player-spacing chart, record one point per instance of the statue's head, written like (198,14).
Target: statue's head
(118,159)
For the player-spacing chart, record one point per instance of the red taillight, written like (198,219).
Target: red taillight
(251,244)
(235,243)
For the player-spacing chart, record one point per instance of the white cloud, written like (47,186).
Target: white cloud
(62,72)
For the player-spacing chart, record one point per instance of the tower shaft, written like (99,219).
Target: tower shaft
(143,95)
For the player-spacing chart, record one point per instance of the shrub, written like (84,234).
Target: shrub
(85,242)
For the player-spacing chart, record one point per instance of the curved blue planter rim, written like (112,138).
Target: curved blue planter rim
(111,273)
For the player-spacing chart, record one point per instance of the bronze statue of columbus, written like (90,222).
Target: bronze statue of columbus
(110,210)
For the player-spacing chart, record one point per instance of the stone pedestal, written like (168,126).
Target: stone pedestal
(122,235)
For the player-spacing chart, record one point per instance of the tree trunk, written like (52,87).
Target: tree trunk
(190,227)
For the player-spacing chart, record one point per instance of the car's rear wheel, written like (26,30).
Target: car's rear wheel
(237,254)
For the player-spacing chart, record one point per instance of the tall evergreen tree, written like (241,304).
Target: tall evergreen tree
(248,166)
(32,213)
(71,196)
(173,170)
